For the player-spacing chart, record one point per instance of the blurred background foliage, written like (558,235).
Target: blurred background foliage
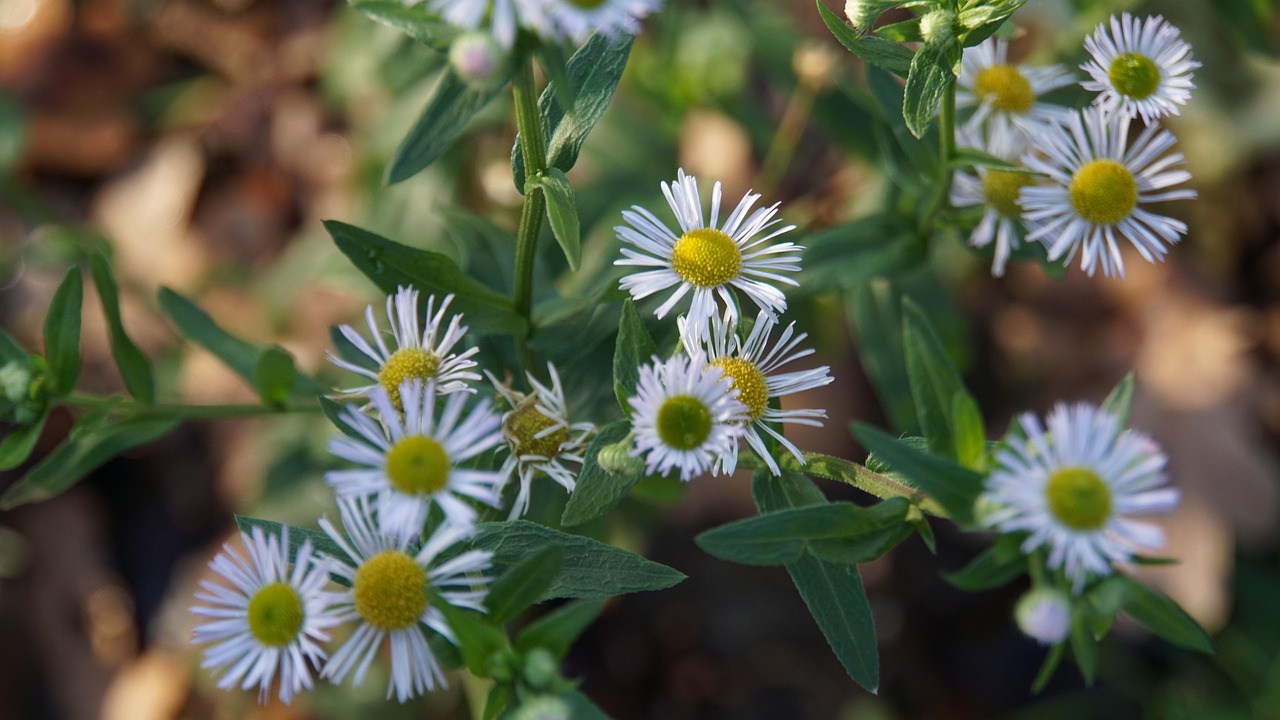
(207,139)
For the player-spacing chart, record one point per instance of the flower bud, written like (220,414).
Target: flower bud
(15,381)
(617,460)
(541,669)
(477,58)
(938,27)
(862,13)
(1044,614)
(547,707)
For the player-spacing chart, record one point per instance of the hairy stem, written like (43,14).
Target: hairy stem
(533,150)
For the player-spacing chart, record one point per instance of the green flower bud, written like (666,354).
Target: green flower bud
(477,58)
(547,707)
(15,381)
(541,669)
(617,460)
(1044,615)
(938,27)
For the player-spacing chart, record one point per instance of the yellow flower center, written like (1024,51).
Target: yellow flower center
(1134,75)
(1005,88)
(390,590)
(418,465)
(753,390)
(406,364)
(1104,192)
(275,615)
(706,257)
(522,427)
(587,4)
(1078,498)
(684,422)
(1002,190)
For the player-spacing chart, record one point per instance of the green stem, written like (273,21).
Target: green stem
(533,150)
(850,473)
(136,409)
(946,156)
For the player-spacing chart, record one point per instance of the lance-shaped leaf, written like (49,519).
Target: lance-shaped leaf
(597,490)
(930,75)
(274,375)
(954,487)
(449,110)
(634,348)
(781,537)
(935,383)
(1161,615)
(17,444)
(414,20)
(557,630)
(522,584)
(1120,400)
(562,212)
(62,332)
(134,366)
(995,567)
(879,52)
(478,637)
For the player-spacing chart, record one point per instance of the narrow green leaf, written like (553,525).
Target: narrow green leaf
(1162,616)
(877,51)
(995,567)
(10,350)
(16,446)
(955,488)
(555,63)
(965,157)
(900,32)
(1083,646)
(390,265)
(862,548)
(873,311)
(562,212)
(498,700)
(969,432)
(581,707)
(1120,400)
(833,592)
(134,367)
(478,638)
(777,538)
(985,19)
(591,569)
(929,76)
(197,326)
(849,255)
(935,382)
(596,490)
(634,348)
(557,630)
(274,375)
(522,584)
(79,456)
(449,110)
(62,332)
(414,20)
(593,73)
(1051,662)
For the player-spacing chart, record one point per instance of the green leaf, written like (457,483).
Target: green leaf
(498,700)
(995,567)
(1051,661)
(1083,646)
(557,630)
(873,310)
(833,592)
(17,444)
(10,350)
(969,432)
(877,51)
(522,584)
(62,332)
(581,707)
(955,488)
(591,569)
(593,72)
(274,375)
(449,110)
(562,212)
(930,76)
(985,19)
(135,369)
(596,490)
(935,382)
(78,457)
(13,132)
(1120,400)
(390,265)
(851,254)
(900,32)
(197,326)
(478,638)
(1161,615)
(425,27)
(634,348)
(965,157)
(780,537)
(555,63)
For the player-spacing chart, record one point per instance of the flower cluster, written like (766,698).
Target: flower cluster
(691,411)
(413,496)
(1075,180)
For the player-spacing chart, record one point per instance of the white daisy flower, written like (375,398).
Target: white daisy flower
(394,591)
(1075,489)
(997,191)
(499,16)
(1141,67)
(1007,96)
(686,415)
(270,622)
(704,258)
(575,20)
(412,461)
(752,367)
(1099,186)
(539,437)
(424,354)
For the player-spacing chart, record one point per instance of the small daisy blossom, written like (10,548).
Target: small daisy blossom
(539,437)
(706,259)
(1075,488)
(1044,615)
(752,366)
(1007,96)
(423,354)
(394,588)
(412,461)
(1141,67)
(686,415)
(499,15)
(575,20)
(1099,188)
(271,621)
(997,191)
